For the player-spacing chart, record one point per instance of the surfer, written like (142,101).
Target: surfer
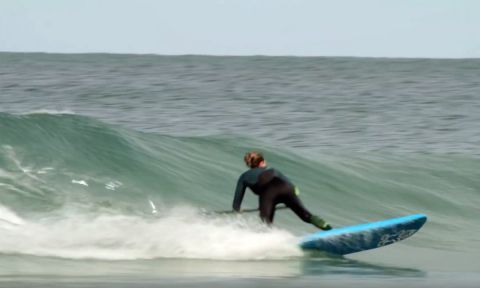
(272,188)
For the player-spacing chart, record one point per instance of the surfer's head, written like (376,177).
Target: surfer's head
(254,159)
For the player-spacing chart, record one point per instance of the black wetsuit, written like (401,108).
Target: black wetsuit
(273,188)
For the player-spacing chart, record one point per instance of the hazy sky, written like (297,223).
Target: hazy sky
(382,28)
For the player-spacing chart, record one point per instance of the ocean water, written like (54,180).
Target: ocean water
(109,162)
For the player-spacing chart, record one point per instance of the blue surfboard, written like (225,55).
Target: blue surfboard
(351,239)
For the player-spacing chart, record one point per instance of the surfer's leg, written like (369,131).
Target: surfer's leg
(293,202)
(267,206)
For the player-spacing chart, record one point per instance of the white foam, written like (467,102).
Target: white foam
(113,185)
(181,233)
(154,208)
(80,182)
(8,218)
(45,170)
(50,111)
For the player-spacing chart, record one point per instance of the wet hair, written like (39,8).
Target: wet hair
(253,159)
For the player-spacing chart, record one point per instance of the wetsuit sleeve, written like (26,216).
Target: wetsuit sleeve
(239,193)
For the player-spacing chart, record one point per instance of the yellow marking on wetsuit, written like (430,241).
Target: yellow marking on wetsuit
(297,191)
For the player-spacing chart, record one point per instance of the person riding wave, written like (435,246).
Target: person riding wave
(273,188)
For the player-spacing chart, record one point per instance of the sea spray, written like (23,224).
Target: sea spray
(181,232)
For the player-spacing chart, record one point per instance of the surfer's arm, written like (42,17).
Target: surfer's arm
(239,193)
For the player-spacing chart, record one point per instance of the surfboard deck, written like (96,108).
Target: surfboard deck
(361,237)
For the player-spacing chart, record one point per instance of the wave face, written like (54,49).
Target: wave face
(78,188)
(74,187)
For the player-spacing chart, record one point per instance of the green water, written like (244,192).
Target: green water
(107,162)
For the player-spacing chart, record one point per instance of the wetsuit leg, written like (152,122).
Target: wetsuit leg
(267,205)
(294,203)
(286,194)
(282,193)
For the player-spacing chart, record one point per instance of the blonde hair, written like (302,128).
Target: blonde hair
(253,159)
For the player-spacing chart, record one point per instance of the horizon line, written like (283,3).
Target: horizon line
(238,55)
